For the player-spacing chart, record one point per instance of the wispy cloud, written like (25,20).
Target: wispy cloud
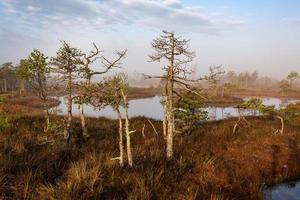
(248,32)
(92,14)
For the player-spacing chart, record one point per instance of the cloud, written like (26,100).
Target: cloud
(73,14)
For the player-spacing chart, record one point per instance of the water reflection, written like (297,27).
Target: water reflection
(148,107)
(218,113)
(152,108)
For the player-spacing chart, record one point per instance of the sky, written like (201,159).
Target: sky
(244,35)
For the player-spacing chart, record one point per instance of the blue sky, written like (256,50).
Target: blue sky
(245,35)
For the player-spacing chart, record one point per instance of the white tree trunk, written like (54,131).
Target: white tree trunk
(236,123)
(170,131)
(165,121)
(69,110)
(47,116)
(143,131)
(282,124)
(127,130)
(170,120)
(170,111)
(82,119)
(121,148)
(69,119)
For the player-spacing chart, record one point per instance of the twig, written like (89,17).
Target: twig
(143,131)
(153,127)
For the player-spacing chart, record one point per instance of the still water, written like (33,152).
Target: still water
(152,108)
(288,191)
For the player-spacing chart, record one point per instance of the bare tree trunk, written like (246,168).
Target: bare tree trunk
(143,131)
(82,119)
(153,127)
(165,121)
(170,111)
(165,106)
(241,117)
(69,108)
(282,124)
(236,123)
(170,130)
(47,116)
(121,148)
(127,130)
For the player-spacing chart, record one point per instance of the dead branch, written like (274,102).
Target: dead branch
(152,126)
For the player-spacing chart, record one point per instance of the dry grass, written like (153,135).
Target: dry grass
(135,92)
(270,92)
(27,104)
(224,101)
(211,163)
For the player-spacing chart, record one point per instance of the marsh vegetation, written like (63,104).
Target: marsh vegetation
(72,127)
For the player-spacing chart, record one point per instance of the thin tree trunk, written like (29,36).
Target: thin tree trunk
(153,127)
(282,124)
(170,130)
(170,111)
(241,117)
(82,119)
(165,121)
(128,132)
(47,114)
(121,148)
(67,132)
(236,123)
(165,106)
(143,131)
(47,117)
